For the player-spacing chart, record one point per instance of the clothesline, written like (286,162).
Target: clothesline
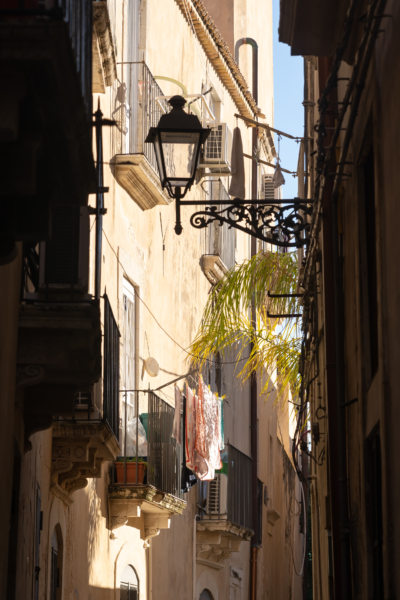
(264,162)
(254,123)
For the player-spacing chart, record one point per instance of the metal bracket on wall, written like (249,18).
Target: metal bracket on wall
(279,222)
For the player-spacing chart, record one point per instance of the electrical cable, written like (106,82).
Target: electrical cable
(207,360)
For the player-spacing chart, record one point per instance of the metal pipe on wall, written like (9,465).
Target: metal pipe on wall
(99,200)
(253,377)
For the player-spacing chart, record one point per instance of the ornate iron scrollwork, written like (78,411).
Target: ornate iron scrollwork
(281,222)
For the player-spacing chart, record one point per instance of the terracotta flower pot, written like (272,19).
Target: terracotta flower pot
(130,472)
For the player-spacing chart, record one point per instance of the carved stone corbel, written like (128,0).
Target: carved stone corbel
(78,452)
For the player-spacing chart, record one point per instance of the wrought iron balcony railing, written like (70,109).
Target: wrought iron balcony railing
(111,369)
(138,105)
(86,405)
(228,496)
(150,455)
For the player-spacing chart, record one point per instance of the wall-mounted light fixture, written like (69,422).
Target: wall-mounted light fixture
(177,141)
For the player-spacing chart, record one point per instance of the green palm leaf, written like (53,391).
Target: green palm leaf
(261,343)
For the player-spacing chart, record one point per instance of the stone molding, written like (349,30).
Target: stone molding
(104,63)
(219,55)
(142,506)
(134,173)
(217,539)
(78,451)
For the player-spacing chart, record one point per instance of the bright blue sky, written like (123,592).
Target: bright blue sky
(288,108)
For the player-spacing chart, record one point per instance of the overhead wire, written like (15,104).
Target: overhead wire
(207,360)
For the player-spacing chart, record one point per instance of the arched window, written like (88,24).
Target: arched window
(206,595)
(56,560)
(129,584)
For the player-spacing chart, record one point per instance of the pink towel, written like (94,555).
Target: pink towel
(207,456)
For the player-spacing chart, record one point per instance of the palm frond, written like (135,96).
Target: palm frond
(270,344)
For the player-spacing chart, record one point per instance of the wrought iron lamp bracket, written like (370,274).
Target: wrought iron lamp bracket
(282,223)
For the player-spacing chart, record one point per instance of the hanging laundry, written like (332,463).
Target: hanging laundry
(200,446)
(190,427)
(208,433)
(221,421)
(176,426)
(237,186)
(188,478)
(278,178)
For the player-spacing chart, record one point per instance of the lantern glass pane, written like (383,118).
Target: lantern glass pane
(157,150)
(180,151)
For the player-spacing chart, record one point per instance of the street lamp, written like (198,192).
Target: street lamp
(177,140)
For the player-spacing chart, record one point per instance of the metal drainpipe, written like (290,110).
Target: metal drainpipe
(253,378)
(99,200)
(304,460)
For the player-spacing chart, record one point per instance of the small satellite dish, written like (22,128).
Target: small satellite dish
(151,366)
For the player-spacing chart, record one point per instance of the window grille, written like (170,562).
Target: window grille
(111,369)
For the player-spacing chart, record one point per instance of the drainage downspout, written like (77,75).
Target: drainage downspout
(253,378)
(99,211)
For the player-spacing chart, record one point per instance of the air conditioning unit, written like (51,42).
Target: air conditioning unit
(267,189)
(217,150)
(64,258)
(217,496)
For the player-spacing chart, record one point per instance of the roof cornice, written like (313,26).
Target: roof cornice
(219,55)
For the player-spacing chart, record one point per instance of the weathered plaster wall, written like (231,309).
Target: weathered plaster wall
(280,558)
(172,292)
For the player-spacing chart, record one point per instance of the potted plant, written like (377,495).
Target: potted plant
(131,463)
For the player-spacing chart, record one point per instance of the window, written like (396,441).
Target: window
(129,585)
(129,362)
(221,238)
(206,595)
(56,564)
(368,251)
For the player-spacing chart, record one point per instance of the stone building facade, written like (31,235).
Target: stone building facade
(101,300)
(351,284)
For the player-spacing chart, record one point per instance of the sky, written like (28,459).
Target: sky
(288,108)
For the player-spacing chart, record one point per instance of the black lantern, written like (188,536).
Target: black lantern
(177,140)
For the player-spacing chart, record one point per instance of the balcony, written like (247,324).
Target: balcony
(225,510)
(59,345)
(221,241)
(145,489)
(45,114)
(86,435)
(138,105)
(58,376)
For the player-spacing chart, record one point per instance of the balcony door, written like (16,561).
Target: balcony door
(133,71)
(129,357)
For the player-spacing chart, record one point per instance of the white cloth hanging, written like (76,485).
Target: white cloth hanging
(278,178)
(190,427)
(237,185)
(207,456)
